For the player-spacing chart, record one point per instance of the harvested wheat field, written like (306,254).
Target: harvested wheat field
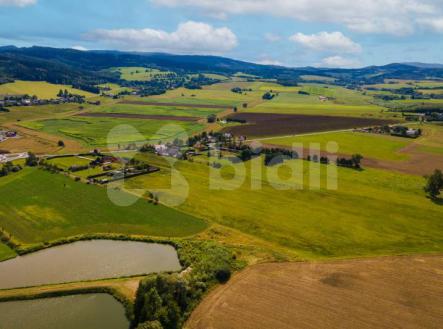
(391,292)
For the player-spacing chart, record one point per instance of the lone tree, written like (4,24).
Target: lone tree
(434,184)
(61,143)
(212,118)
(32,160)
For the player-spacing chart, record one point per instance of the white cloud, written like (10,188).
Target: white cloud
(397,17)
(272,37)
(17,3)
(435,24)
(269,61)
(81,48)
(190,37)
(339,62)
(334,42)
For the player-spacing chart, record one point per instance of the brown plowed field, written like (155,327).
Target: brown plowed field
(268,124)
(197,106)
(138,116)
(392,292)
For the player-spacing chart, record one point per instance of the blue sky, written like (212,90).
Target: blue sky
(333,33)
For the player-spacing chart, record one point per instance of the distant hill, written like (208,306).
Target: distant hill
(88,67)
(426,65)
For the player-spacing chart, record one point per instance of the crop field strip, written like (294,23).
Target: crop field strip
(267,124)
(138,116)
(203,106)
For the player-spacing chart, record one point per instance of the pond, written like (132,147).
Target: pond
(72,312)
(87,260)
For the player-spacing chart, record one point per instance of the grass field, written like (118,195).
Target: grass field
(368,145)
(139,73)
(66,163)
(23,113)
(5,252)
(41,89)
(94,131)
(373,212)
(218,94)
(325,109)
(38,206)
(316,78)
(114,88)
(158,110)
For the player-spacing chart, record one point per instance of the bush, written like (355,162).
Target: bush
(150,325)
(223,275)
(212,118)
(434,184)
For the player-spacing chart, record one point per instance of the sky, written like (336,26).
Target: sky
(296,33)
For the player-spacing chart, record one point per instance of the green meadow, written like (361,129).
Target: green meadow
(23,113)
(66,163)
(158,110)
(308,108)
(138,73)
(368,145)
(6,252)
(41,89)
(104,131)
(38,206)
(372,212)
(219,94)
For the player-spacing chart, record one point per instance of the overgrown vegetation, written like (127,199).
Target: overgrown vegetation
(165,301)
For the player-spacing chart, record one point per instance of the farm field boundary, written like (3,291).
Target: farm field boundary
(204,106)
(138,116)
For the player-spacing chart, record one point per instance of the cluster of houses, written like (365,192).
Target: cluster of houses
(6,134)
(26,100)
(9,157)
(424,117)
(394,130)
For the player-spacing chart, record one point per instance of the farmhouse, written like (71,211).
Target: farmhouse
(6,134)
(168,150)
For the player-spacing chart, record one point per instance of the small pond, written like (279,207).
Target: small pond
(87,260)
(72,312)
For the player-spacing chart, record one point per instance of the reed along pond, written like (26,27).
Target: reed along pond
(87,260)
(71,312)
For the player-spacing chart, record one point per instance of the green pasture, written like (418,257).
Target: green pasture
(158,110)
(139,73)
(114,88)
(316,78)
(369,145)
(66,163)
(38,206)
(324,109)
(372,212)
(23,113)
(219,94)
(6,252)
(111,131)
(41,89)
